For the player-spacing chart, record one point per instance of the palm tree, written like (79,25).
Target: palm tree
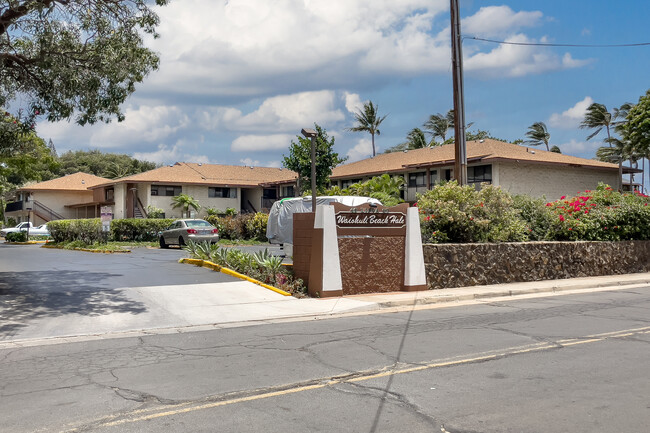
(415,139)
(185,202)
(538,134)
(597,117)
(368,121)
(438,125)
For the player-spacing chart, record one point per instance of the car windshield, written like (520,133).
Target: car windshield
(197,223)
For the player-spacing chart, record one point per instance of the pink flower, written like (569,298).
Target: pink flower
(563,197)
(561,217)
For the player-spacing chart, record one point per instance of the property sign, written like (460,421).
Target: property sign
(370,220)
(106,213)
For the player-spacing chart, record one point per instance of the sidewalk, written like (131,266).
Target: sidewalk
(200,307)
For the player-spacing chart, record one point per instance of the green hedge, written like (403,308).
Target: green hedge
(16,237)
(136,229)
(90,230)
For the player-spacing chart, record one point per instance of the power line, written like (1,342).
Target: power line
(558,45)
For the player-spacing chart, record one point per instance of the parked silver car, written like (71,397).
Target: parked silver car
(183,230)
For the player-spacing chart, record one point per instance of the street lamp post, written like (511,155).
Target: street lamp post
(310,133)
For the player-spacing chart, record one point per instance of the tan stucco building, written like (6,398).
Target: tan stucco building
(65,197)
(516,169)
(242,188)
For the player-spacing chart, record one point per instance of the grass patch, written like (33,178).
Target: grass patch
(109,247)
(240,242)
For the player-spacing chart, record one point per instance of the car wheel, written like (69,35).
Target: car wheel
(181,241)
(162,243)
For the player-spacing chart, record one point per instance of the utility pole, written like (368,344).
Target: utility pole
(460,164)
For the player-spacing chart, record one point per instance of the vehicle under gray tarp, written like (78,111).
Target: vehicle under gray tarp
(280,226)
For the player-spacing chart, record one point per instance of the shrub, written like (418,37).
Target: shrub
(536,215)
(451,213)
(16,237)
(255,226)
(136,229)
(87,231)
(155,212)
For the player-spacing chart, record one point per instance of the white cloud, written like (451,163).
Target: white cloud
(353,102)
(249,162)
(493,21)
(166,154)
(261,143)
(362,150)
(572,117)
(518,60)
(580,148)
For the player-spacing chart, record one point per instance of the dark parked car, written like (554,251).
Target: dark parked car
(183,230)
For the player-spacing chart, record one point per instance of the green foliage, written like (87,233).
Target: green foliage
(451,213)
(261,266)
(230,211)
(384,188)
(86,231)
(250,226)
(185,202)
(637,127)
(538,134)
(109,165)
(75,59)
(154,212)
(136,229)
(255,225)
(299,159)
(16,237)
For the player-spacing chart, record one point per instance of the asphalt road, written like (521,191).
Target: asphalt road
(574,363)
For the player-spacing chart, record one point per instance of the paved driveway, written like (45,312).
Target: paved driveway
(48,292)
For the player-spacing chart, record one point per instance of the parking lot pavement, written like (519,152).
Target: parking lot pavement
(50,292)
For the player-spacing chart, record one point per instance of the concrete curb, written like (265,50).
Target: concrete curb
(215,267)
(87,250)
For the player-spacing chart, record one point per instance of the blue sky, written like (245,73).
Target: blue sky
(238,79)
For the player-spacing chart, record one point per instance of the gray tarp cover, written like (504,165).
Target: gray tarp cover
(280,226)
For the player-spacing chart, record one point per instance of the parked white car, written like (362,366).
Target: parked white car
(41,230)
(22,227)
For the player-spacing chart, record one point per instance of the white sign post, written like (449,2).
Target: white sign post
(106,213)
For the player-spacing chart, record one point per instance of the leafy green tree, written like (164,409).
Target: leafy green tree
(538,134)
(73,59)
(30,159)
(110,165)
(299,159)
(185,202)
(556,149)
(368,120)
(637,128)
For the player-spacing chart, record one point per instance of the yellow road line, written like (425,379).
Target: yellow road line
(187,407)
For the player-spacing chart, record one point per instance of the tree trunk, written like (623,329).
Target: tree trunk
(373,144)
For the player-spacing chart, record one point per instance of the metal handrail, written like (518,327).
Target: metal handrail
(46,210)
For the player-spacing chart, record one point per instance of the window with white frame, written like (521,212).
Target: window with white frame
(479,174)
(166,190)
(218,192)
(417,179)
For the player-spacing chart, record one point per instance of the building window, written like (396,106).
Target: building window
(434,177)
(479,174)
(417,179)
(270,193)
(109,194)
(449,174)
(166,190)
(346,183)
(288,191)
(222,192)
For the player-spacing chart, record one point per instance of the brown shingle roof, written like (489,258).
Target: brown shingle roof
(72,182)
(485,150)
(211,174)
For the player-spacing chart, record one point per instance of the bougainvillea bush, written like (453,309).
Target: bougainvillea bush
(601,215)
(450,213)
